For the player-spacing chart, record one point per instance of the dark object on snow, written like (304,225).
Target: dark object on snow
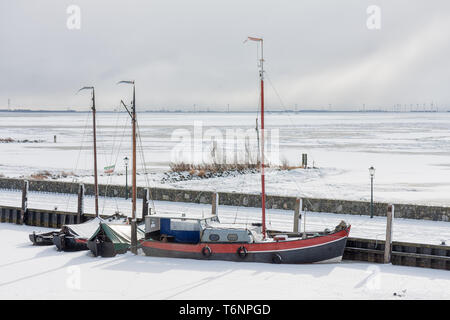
(304,160)
(73,237)
(43,239)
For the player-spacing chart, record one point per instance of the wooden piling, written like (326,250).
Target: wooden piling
(215,203)
(304,223)
(23,211)
(37,216)
(62,220)
(80,208)
(54,220)
(46,219)
(298,204)
(304,160)
(15,216)
(388,243)
(145,203)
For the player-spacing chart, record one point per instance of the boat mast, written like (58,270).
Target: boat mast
(95,147)
(263,189)
(134,188)
(133,119)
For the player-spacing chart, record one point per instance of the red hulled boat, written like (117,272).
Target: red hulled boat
(180,236)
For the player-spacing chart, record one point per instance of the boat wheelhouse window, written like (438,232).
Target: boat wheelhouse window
(214,237)
(232,237)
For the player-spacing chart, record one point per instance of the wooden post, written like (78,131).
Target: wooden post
(298,204)
(62,220)
(215,203)
(145,203)
(388,244)
(38,219)
(304,223)
(24,202)
(46,219)
(304,160)
(54,220)
(80,209)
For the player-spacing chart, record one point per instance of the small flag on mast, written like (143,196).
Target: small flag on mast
(110,169)
(254,39)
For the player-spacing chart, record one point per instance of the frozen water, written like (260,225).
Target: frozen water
(410,151)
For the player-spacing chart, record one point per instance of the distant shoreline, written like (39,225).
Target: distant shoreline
(212,111)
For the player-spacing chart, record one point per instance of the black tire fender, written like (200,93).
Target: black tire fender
(206,251)
(276,258)
(242,252)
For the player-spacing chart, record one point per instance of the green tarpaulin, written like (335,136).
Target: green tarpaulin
(118,234)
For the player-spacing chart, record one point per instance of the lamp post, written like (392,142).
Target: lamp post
(371,172)
(125,160)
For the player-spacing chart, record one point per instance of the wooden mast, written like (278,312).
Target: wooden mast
(95,152)
(133,216)
(132,114)
(263,187)
(95,147)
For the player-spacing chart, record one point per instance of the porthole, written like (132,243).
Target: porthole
(214,237)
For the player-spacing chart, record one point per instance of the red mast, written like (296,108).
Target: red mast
(263,187)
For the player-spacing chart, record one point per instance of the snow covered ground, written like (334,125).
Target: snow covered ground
(408,230)
(410,151)
(30,272)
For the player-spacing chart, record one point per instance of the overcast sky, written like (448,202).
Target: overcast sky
(180,53)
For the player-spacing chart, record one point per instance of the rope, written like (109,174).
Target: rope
(292,123)
(109,179)
(289,177)
(147,182)
(76,163)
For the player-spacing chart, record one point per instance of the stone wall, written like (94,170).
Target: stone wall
(410,211)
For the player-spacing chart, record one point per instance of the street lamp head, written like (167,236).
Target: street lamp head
(372,171)
(126,160)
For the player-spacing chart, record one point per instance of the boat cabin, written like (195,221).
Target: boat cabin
(190,229)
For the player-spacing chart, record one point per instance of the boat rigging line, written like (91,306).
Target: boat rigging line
(75,168)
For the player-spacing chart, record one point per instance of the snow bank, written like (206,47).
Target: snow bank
(31,272)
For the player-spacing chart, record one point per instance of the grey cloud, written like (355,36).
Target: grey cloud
(191,52)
